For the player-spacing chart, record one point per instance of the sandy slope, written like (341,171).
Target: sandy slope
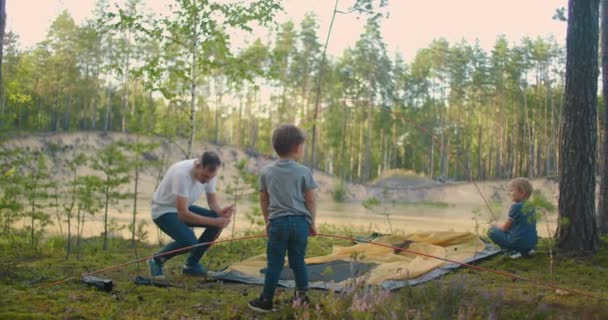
(462,198)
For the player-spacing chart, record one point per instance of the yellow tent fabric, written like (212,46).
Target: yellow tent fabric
(389,265)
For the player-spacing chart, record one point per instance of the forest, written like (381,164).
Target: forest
(418,146)
(450,112)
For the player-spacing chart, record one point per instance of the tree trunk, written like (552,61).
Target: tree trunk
(344,144)
(318,95)
(80,231)
(545,129)
(514,151)
(528,141)
(219,97)
(78,221)
(603,196)
(382,159)
(2,31)
(33,220)
(69,248)
(442,152)
(432,156)
(134,220)
(480,174)
(58,213)
(56,113)
(368,141)
(105,216)
(551,150)
(106,125)
(95,98)
(578,233)
(66,114)
(502,133)
(360,159)
(394,151)
(192,101)
(125,95)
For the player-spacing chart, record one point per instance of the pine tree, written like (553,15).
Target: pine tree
(577,231)
(115,167)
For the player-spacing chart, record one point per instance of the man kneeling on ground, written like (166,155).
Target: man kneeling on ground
(174,213)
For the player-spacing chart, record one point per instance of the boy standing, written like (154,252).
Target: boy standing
(287,199)
(519,232)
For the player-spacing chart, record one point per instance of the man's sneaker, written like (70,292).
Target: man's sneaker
(194,270)
(300,299)
(260,305)
(156,269)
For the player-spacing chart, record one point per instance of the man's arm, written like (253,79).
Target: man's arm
(215,206)
(213,203)
(188,217)
(311,204)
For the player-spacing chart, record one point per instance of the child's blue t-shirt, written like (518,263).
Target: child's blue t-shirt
(523,229)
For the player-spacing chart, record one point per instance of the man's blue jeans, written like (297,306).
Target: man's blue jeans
(289,233)
(184,236)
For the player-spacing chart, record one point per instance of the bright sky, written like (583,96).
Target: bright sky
(412,24)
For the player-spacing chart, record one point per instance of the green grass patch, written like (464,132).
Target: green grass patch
(465,294)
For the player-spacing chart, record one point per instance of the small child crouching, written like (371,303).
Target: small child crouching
(519,232)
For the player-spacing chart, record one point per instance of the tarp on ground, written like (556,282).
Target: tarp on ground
(374,265)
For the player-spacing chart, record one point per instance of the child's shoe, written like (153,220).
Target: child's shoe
(529,253)
(515,255)
(260,304)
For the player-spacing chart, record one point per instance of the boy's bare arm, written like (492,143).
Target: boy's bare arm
(311,204)
(264,201)
(507,225)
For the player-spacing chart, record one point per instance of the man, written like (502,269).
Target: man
(174,213)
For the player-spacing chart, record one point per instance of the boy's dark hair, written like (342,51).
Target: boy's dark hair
(210,160)
(286,138)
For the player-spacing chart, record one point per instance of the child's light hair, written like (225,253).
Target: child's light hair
(523,185)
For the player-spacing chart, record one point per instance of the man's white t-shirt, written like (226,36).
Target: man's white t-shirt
(178,181)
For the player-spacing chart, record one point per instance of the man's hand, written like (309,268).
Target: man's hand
(267,227)
(312,230)
(227,212)
(222,222)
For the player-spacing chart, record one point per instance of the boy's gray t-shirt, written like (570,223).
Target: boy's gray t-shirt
(286,181)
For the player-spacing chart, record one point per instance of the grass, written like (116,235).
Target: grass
(466,294)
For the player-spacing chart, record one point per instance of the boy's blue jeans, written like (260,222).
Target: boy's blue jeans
(184,236)
(504,240)
(289,233)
